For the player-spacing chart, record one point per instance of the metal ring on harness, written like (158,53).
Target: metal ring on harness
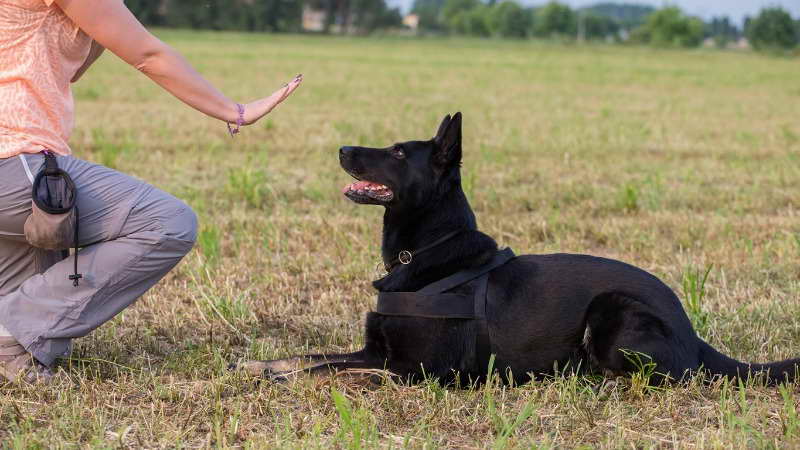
(405,257)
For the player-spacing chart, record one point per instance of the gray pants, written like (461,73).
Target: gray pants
(131,235)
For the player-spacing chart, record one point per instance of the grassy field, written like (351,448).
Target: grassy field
(680,162)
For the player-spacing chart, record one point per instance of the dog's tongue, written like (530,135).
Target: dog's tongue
(358,186)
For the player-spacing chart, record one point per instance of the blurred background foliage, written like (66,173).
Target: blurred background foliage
(773,29)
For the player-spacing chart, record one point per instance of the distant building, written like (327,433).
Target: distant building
(411,21)
(317,20)
(741,44)
(313,19)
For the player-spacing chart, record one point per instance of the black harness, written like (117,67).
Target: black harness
(434,301)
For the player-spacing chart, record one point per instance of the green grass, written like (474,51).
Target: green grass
(675,161)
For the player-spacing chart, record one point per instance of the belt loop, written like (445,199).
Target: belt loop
(27,168)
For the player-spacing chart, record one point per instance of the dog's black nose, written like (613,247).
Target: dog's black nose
(346,151)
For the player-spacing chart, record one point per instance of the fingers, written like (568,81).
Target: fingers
(282,94)
(296,80)
(291,86)
(260,108)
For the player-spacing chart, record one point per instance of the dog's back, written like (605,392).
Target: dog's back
(541,305)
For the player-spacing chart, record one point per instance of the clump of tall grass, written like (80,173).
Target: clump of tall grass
(694,294)
(357,429)
(208,240)
(504,426)
(248,184)
(628,198)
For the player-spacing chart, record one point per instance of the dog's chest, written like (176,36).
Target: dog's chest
(439,327)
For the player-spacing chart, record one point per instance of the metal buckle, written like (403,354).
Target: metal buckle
(405,257)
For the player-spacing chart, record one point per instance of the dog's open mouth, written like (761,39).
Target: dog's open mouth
(368,192)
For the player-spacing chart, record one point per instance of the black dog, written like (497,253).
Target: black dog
(544,311)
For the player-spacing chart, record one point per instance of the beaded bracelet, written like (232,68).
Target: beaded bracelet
(239,120)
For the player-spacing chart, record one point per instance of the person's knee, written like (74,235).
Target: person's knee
(183,226)
(190,231)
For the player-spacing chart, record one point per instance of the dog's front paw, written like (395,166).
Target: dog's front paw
(251,367)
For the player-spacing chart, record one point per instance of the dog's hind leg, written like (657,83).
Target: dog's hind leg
(625,337)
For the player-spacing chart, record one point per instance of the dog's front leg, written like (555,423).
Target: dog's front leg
(300,364)
(330,367)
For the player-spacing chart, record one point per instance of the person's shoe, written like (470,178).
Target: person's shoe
(17,365)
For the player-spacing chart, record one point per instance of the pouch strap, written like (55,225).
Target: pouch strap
(75,277)
(50,164)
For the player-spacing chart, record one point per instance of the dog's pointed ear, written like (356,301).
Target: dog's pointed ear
(442,127)
(448,142)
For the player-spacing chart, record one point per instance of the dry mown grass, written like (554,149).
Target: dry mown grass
(673,161)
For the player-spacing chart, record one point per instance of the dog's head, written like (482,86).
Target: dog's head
(405,175)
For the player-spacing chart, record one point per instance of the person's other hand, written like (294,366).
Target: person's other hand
(254,111)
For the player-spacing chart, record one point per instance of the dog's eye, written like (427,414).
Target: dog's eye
(398,153)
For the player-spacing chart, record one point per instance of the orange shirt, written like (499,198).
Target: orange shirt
(40,51)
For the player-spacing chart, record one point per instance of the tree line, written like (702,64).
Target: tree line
(363,16)
(772,29)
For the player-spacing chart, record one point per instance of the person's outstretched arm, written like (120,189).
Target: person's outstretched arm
(113,26)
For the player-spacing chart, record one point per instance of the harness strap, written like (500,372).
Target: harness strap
(432,306)
(434,302)
(483,343)
(465,276)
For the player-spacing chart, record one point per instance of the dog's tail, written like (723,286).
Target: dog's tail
(715,363)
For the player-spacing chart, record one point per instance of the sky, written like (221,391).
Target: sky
(735,9)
